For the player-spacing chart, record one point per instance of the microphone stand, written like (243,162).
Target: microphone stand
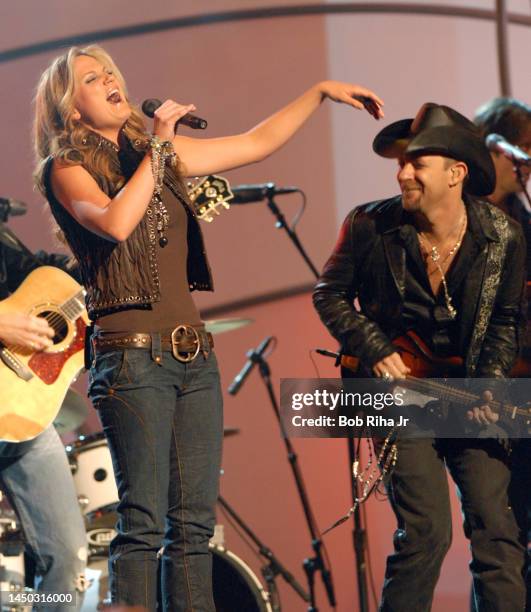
(273,568)
(359,533)
(282,224)
(315,563)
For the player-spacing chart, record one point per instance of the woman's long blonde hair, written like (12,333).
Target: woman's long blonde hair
(57,133)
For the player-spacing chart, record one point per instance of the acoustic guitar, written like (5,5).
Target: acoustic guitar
(33,384)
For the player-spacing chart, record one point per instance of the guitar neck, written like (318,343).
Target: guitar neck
(75,306)
(463,398)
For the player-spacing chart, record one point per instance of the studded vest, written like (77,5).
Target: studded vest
(119,275)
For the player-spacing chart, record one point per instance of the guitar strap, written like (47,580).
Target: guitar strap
(491,279)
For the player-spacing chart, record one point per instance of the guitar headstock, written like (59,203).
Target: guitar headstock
(209,195)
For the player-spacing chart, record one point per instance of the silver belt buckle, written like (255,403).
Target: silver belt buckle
(184,330)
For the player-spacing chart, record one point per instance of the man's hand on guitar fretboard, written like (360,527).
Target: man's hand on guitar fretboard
(483,415)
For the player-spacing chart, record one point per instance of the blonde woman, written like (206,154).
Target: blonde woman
(117,193)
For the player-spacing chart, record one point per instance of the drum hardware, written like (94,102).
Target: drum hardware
(11,540)
(13,606)
(272,568)
(12,571)
(316,563)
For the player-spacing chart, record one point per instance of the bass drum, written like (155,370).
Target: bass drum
(236,587)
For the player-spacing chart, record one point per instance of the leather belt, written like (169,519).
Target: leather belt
(185,342)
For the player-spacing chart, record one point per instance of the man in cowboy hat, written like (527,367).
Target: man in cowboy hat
(438,261)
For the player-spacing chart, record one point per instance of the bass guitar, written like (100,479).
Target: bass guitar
(424,365)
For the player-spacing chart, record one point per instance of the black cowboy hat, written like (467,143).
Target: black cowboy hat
(441,130)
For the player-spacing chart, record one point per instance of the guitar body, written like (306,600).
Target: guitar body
(418,358)
(34,384)
(425,366)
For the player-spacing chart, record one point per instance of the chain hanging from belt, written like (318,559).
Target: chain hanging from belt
(372,475)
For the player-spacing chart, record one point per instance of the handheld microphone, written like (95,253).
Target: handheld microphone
(248,194)
(497,144)
(12,208)
(150,105)
(254,356)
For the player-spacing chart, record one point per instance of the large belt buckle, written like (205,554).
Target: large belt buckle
(184,330)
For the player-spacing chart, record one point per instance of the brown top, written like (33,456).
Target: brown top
(176,305)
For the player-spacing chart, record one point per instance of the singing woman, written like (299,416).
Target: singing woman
(117,193)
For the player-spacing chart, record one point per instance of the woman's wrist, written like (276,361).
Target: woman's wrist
(322,90)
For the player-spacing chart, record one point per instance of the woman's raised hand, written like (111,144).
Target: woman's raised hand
(167,115)
(354,95)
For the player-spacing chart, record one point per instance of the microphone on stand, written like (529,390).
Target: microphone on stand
(254,356)
(150,105)
(12,208)
(497,144)
(248,194)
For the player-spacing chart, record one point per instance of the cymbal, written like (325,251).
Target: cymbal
(220,326)
(72,414)
(230,431)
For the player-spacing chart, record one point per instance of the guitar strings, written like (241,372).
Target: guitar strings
(458,395)
(53,318)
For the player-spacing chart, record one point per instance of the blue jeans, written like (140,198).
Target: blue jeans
(164,425)
(36,477)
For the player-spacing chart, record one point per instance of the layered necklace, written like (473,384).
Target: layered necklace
(434,254)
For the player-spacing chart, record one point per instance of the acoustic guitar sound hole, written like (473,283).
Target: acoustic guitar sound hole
(58,323)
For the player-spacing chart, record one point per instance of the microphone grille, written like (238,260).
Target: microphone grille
(493,139)
(149,106)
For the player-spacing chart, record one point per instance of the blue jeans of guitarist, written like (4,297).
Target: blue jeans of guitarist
(36,478)
(164,424)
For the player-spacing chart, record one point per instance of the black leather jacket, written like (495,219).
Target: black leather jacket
(368,263)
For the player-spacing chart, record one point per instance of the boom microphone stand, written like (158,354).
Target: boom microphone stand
(316,563)
(273,568)
(292,234)
(359,534)
(256,357)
